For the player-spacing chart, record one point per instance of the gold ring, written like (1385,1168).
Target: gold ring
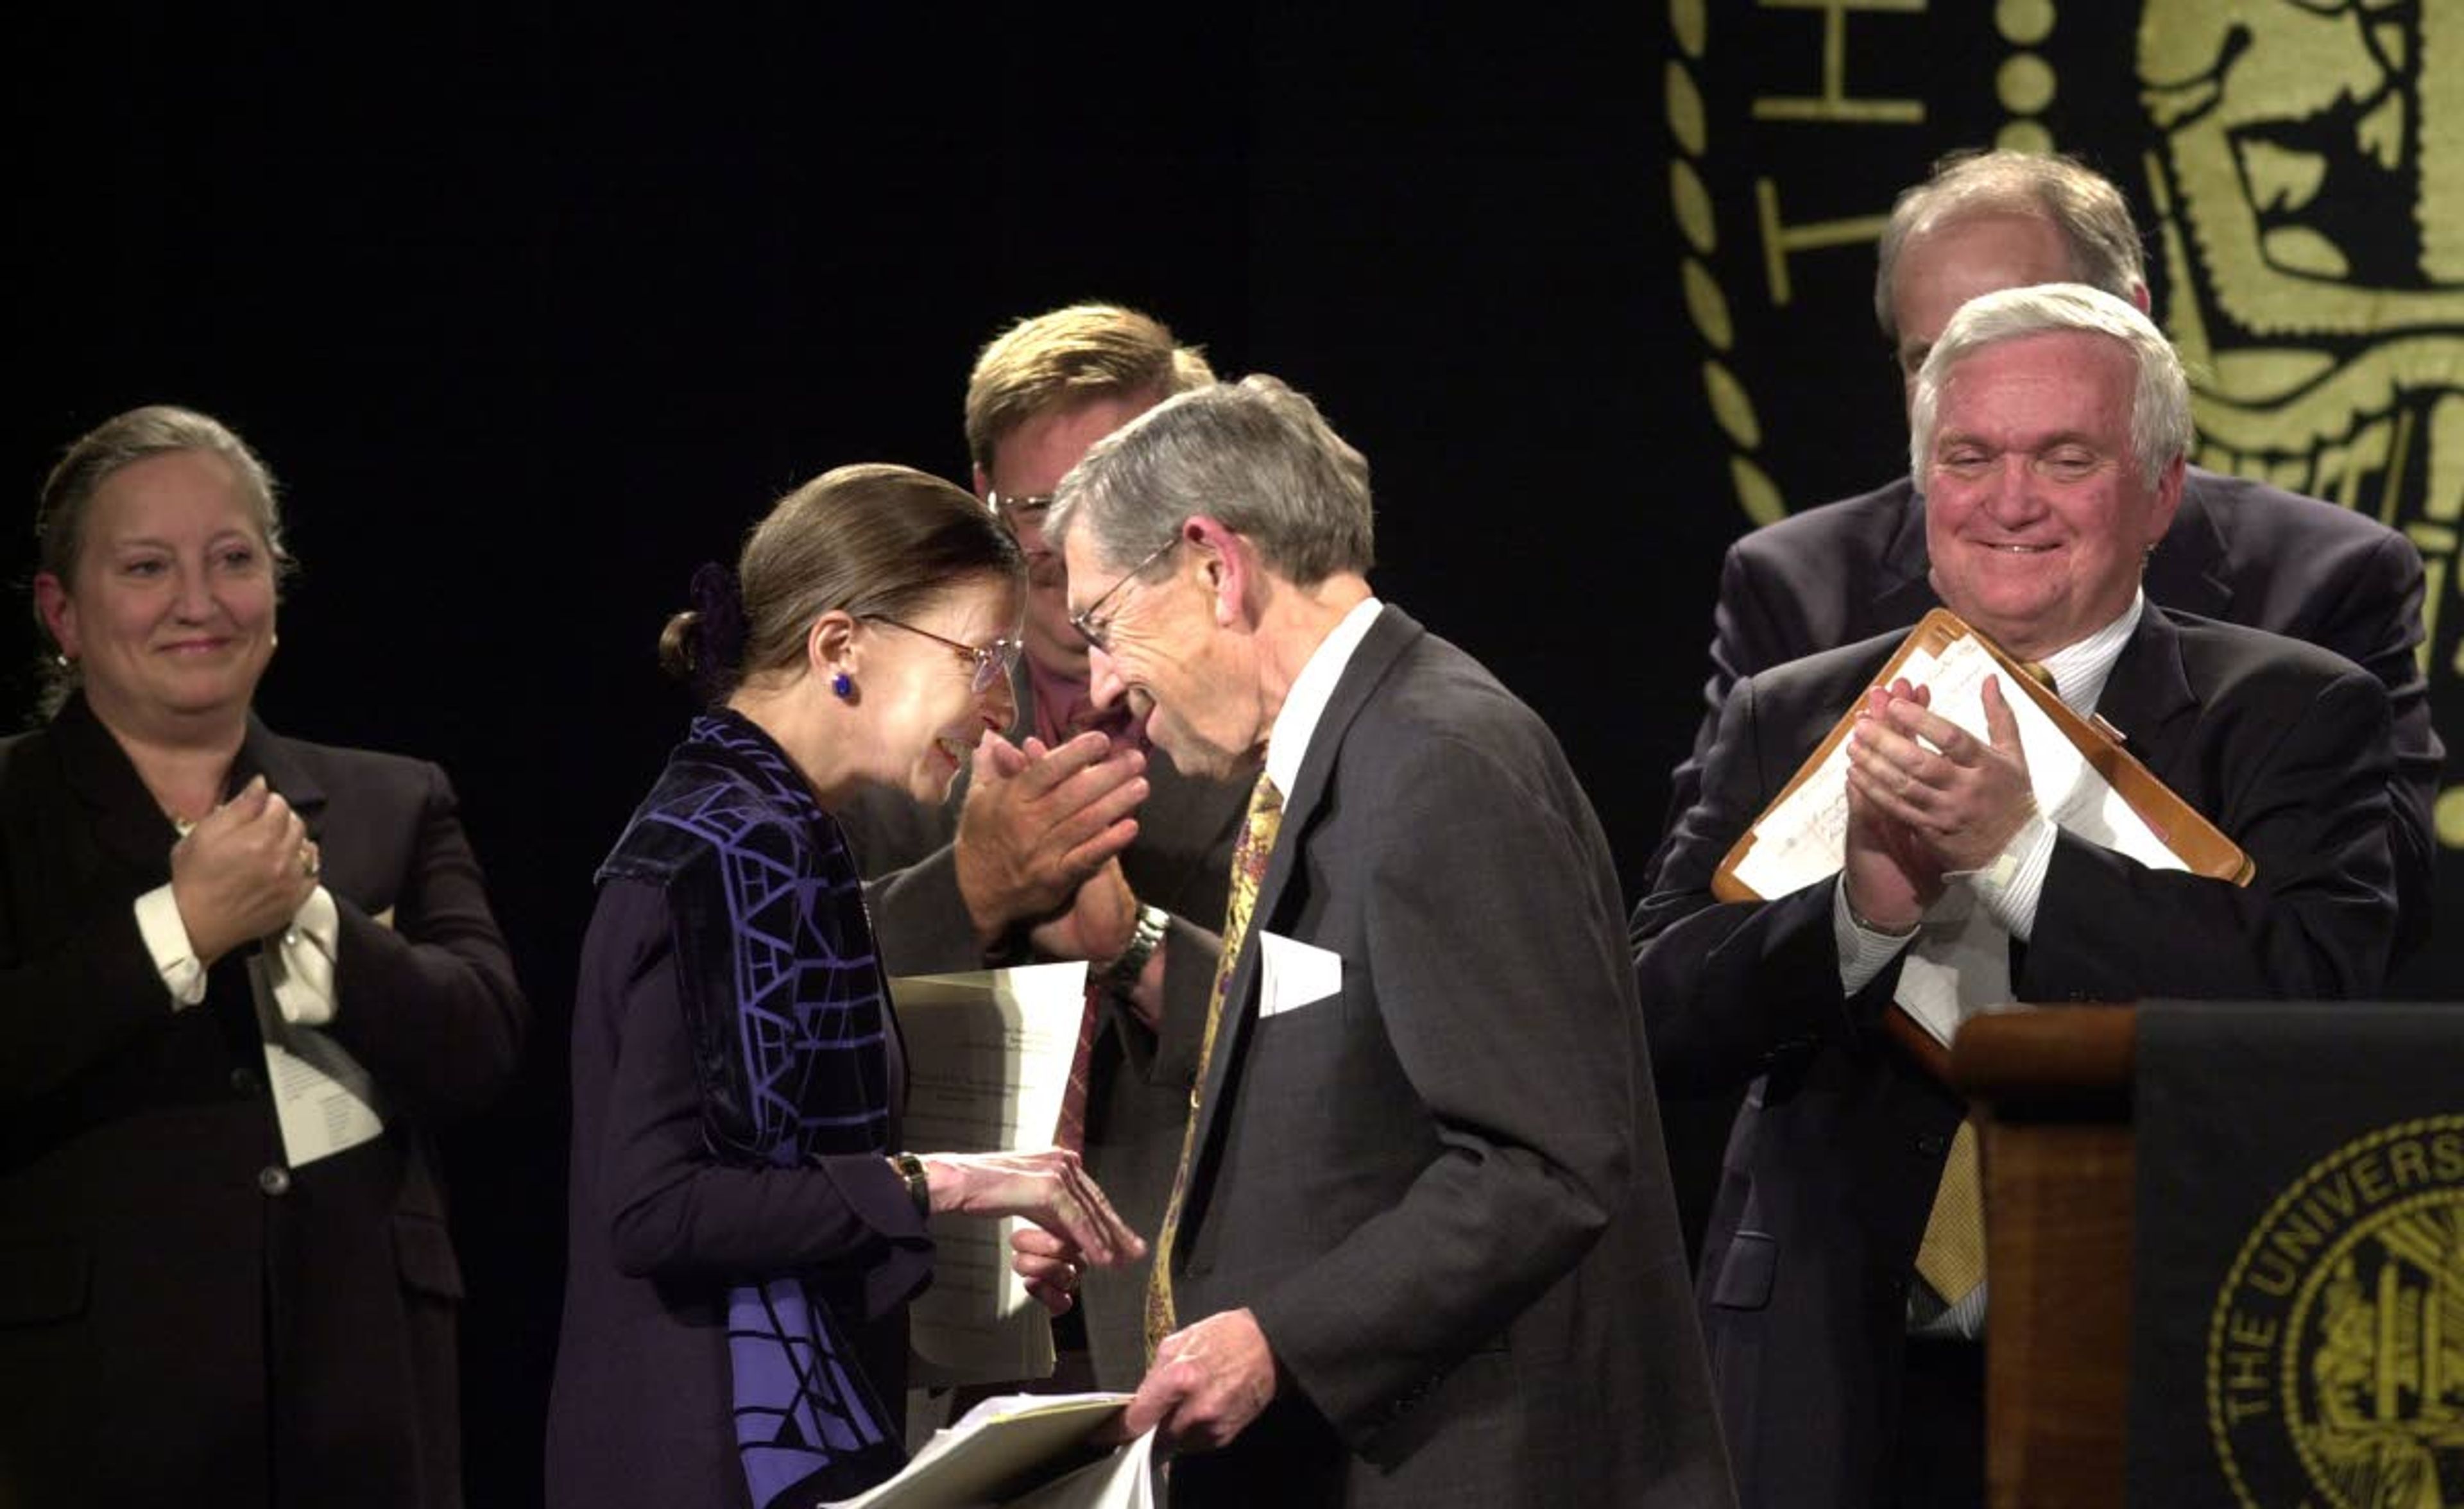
(310,865)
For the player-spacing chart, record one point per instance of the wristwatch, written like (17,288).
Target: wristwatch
(1121,976)
(919,1184)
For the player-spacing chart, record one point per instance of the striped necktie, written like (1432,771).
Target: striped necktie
(1249,856)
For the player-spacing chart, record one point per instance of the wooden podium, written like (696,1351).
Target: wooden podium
(2053,1090)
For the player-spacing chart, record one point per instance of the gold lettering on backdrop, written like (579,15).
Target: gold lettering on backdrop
(1780,239)
(1834,103)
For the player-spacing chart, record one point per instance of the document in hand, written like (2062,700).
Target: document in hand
(989,1057)
(1025,1450)
(2085,782)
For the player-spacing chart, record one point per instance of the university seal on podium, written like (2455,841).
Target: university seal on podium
(2335,1361)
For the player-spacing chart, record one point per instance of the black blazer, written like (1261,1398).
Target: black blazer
(1440,1188)
(182,1317)
(2239,551)
(1831,1169)
(1137,1078)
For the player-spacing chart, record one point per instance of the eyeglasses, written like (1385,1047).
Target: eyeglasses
(1098,629)
(987,664)
(1016,511)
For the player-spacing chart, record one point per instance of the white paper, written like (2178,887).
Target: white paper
(324,1102)
(1960,961)
(1000,1440)
(1295,973)
(988,1058)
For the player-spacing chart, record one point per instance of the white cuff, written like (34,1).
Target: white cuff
(2009,888)
(1863,953)
(300,961)
(167,939)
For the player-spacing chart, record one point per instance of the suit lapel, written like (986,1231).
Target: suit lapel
(126,818)
(1901,596)
(2188,571)
(264,752)
(1383,644)
(130,823)
(2149,698)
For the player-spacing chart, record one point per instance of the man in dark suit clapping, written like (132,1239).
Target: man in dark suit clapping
(2050,428)
(2236,550)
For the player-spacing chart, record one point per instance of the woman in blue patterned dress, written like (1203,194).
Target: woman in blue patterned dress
(744,1231)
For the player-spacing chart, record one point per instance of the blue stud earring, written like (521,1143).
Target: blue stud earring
(841,687)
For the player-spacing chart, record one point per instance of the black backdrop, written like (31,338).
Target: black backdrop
(534,311)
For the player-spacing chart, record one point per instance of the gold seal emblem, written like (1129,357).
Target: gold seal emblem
(2336,1349)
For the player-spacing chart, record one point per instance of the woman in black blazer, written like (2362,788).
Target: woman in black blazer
(203,1300)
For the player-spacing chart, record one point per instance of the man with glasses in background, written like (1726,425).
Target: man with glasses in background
(1076,841)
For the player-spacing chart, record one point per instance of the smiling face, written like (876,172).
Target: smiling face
(921,716)
(2038,514)
(169,614)
(1184,675)
(1028,463)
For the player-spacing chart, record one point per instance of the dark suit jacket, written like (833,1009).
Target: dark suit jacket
(182,1319)
(2239,551)
(1137,1090)
(1440,1188)
(1833,1162)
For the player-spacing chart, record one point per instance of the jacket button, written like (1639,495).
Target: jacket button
(273,1179)
(1931,1143)
(243,1080)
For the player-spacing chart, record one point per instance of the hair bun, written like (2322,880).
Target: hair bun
(705,642)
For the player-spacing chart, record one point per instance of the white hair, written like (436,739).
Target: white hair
(2160,401)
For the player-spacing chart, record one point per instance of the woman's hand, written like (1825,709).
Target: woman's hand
(1049,1188)
(1050,1266)
(242,872)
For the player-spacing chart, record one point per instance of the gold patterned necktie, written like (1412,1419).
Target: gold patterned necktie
(1249,856)
(1951,1258)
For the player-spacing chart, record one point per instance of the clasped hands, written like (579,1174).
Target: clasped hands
(1073,1226)
(242,872)
(1039,838)
(1917,814)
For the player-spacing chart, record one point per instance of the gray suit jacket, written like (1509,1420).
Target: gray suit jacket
(1137,1094)
(1441,1187)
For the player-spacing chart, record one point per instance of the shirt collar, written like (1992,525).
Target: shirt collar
(2080,670)
(1288,742)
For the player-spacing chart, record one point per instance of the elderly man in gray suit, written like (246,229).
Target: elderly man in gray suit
(1420,1248)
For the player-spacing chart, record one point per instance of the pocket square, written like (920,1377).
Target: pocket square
(1293,973)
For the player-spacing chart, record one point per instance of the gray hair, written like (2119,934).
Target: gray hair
(2159,400)
(92,459)
(2080,204)
(1254,454)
